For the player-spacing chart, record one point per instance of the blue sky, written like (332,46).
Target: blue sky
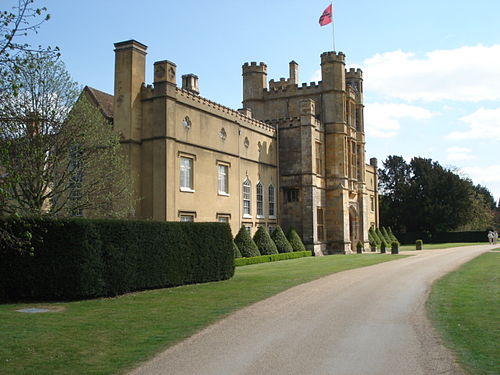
(431,68)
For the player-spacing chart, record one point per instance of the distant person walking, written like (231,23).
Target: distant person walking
(495,237)
(490,237)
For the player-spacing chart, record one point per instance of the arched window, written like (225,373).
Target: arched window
(247,196)
(260,200)
(272,200)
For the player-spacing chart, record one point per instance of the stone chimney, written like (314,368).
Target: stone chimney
(294,73)
(190,83)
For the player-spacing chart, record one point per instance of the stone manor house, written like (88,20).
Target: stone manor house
(294,155)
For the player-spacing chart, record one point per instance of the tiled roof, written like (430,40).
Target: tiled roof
(103,100)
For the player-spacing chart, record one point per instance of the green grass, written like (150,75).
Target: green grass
(433,246)
(110,336)
(465,307)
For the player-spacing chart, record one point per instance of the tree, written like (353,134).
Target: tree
(423,196)
(60,155)
(264,242)
(20,20)
(247,247)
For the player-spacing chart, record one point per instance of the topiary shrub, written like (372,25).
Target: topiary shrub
(279,238)
(383,246)
(373,234)
(380,235)
(419,245)
(359,247)
(391,235)
(247,247)
(264,242)
(394,247)
(373,238)
(295,241)
(237,252)
(387,238)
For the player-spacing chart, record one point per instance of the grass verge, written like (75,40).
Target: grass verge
(433,246)
(465,307)
(111,335)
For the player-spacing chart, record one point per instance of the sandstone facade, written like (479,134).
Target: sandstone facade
(293,156)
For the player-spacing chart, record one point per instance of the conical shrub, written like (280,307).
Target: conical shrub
(279,238)
(389,232)
(237,252)
(247,247)
(380,235)
(264,242)
(374,237)
(295,241)
(387,238)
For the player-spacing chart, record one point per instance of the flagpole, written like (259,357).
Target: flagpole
(333,33)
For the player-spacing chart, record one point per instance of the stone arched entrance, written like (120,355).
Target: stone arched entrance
(353,227)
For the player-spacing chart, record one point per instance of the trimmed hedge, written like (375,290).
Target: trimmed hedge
(271,258)
(264,242)
(409,238)
(81,258)
(281,241)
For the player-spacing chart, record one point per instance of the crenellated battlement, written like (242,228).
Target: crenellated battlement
(253,67)
(353,73)
(332,56)
(236,115)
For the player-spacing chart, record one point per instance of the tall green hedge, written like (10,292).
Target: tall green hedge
(281,241)
(245,243)
(264,242)
(81,258)
(442,237)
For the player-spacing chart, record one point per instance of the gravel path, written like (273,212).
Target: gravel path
(365,321)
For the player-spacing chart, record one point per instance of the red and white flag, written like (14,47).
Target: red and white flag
(327,16)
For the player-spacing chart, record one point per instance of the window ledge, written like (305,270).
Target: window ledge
(260,217)
(187,190)
(272,216)
(223,194)
(247,216)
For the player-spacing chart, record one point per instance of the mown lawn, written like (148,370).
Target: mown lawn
(111,335)
(432,246)
(465,307)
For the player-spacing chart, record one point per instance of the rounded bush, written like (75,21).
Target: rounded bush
(247,247)
(264,242)
(279,238)
(383,246)
(295,241)
(359,247)
(419,245)
(394,247)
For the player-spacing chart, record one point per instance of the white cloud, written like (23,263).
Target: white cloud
(382,120)
(468,74)
(488,176)
(483,124)
(459,154)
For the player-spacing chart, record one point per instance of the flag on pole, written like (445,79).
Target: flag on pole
(327,16)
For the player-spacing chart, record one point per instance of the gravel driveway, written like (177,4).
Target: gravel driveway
(365,321)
